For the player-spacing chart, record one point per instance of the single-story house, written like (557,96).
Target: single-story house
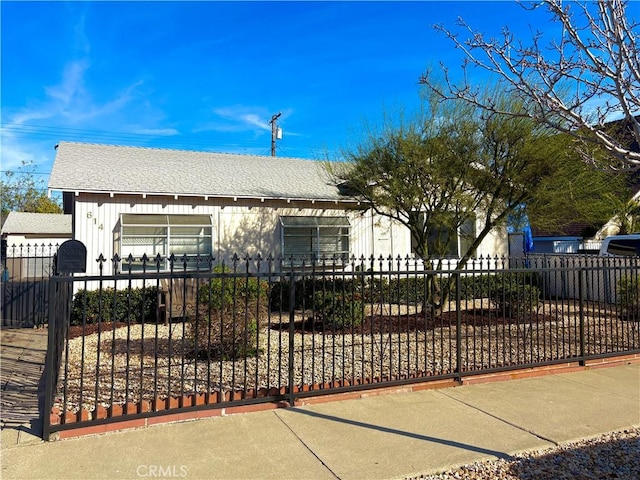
(580,237)
(573,238)
(22,232)
(29,241)
(135,201)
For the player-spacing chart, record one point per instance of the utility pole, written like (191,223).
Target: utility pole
(276,133)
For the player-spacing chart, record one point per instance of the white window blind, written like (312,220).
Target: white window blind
(315,237)
(152,234)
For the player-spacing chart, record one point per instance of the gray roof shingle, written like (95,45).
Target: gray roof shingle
(37,223)
(107,168)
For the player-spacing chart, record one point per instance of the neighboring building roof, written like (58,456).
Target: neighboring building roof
(574,229)
(84,167)
(54,224)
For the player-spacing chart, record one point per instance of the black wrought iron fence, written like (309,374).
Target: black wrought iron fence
(26,270)
(141,344)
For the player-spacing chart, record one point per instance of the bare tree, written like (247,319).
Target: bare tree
(577,84)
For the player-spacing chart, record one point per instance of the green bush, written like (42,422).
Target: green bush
(306,289)
(108,305)
(472,287)
(413,289)
(339,310)
(629,297)
(230,311)
(514,295)
(404,289)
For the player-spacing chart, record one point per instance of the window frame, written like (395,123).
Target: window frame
(167,231)
(316,229)
(459,240)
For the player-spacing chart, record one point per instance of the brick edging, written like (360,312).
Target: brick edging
(56,416)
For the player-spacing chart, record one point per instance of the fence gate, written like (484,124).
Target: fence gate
(25,284)
(71,258)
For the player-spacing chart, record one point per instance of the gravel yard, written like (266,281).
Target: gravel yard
(615,455)
(123,364)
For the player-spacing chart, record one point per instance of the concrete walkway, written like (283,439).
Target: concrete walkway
(22,355)
(390,436)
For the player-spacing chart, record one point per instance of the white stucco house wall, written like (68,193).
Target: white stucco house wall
(135,201)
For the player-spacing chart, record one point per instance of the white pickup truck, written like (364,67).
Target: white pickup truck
(621,245)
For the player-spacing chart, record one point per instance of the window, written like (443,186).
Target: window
(628,247)
(179,235)
(442,243)
(315,237)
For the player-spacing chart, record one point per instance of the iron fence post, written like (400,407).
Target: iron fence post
(458,330)
(292,331)
(581,315)
(49,364)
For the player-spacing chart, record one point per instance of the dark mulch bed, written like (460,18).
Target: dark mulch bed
(376,324)
(78,330)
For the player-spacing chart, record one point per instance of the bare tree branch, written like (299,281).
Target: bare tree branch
(577,84)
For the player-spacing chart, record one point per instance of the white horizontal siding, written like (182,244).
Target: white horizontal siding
(243,227)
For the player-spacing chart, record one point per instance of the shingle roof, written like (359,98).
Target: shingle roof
(573,229)
(37,223)
(107,168)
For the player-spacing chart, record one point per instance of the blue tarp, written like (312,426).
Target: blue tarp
(528,239)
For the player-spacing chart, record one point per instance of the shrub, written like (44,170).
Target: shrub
(413,289)
(375,289)
(230,311)
(513,295)
(306,289)
(629,297)
(339,310)
(109,305)
(407,290)
(472,287)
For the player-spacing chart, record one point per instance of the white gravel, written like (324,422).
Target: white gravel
(615,455)
(143,363)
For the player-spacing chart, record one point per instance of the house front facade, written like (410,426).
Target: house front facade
(132,202)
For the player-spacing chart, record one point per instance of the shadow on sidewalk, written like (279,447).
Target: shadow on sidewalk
(393,431)
(22,361)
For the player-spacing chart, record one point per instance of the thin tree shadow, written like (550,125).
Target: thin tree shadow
(393,431)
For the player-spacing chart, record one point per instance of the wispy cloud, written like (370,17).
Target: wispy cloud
(70,103)
(244,118)
(240,118)
(71,87)
(161,132)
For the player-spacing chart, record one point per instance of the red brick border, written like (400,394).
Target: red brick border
(158,405)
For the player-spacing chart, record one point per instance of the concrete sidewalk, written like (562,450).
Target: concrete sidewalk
(389,436)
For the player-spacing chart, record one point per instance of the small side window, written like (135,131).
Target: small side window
(624,247)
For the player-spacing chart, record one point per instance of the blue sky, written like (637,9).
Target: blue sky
(209,75)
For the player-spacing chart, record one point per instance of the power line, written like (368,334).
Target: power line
(179,141)
(93,136)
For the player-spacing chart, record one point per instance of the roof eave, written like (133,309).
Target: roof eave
(112,193)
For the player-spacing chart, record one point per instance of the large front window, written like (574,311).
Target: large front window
(444,242)
(315,237)
(180,235)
